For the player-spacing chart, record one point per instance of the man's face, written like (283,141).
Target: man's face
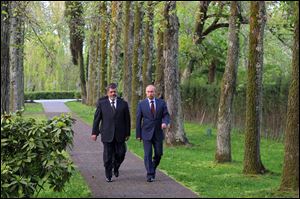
(150,92)
(112,93)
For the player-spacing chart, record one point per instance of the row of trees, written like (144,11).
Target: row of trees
(104,65)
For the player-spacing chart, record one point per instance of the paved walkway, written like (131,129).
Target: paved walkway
(131,183)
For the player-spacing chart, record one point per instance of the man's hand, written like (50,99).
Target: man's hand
(94,137)
(126,138)
(139,139)
(163,126)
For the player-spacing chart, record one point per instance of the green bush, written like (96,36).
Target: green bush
(33,153)
(52,95)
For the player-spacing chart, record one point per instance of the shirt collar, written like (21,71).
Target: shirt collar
(149,100)
(114,100)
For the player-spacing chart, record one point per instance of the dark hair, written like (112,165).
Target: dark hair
(111,86)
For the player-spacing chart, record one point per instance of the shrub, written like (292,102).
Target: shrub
(52,95)
(33,153)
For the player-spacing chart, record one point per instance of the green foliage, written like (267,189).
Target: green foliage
(33,153)
(75,188)
(52,95)
(200,102)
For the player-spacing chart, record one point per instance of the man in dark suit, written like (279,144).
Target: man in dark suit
(113,113)
(152,117)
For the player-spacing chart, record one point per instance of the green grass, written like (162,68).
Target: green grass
(34,110)
(76,187)
(195,168)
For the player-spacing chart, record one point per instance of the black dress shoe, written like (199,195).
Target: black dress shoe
(150,179)
(108,180)
(116,173)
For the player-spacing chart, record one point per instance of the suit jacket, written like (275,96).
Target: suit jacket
(148,126)
(112,124)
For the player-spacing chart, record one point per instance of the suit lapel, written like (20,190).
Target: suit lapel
(118,104)
(147,106)
(157,106)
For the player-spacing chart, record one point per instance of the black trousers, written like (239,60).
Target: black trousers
(113,156)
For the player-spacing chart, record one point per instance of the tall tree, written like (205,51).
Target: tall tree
(74,14)
(104,35)
(115,34)
(252,160)
(175,135)
(136,64)
(290,174)
(223,149)
(202,29)
(17,55)
(5,72)
(148,48)
(128,51)
(92,62)
(160,65)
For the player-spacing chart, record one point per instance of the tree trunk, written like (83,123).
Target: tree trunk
(290,174)
(175,135)
(160,65)
(252,160)
(148,48)
(115,35)
(17,56)
(5,39)
(128,50)
(223,149)
(92,63)
(103,66)
(200,21)
(136,65)
(74,12)
(212,71)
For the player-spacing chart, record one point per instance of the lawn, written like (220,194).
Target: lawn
(195,167)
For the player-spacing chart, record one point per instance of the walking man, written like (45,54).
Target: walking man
(152,117)
(113,113)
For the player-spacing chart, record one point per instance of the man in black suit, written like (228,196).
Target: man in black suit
(152,117)
(113,113)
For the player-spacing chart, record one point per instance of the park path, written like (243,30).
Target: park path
(131,183)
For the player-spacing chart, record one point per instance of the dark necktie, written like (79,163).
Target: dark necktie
(152,108)
(113,106)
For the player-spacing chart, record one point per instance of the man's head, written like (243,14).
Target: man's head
(150,91)
(112,90)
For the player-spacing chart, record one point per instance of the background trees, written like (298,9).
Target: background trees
(290,175)
(5,73)
(200,55)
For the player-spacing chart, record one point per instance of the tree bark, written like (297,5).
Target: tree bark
(136,64)
(160,65)
(252,160)
(148,48)
(290,174)
(128,51)
(212,71)
(17,56)
(103,62)
(115,35)
(223,149)
(92,62)
(175,135)
(5,39)
(74,12)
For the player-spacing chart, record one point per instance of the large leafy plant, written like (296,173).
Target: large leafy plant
(33,153)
